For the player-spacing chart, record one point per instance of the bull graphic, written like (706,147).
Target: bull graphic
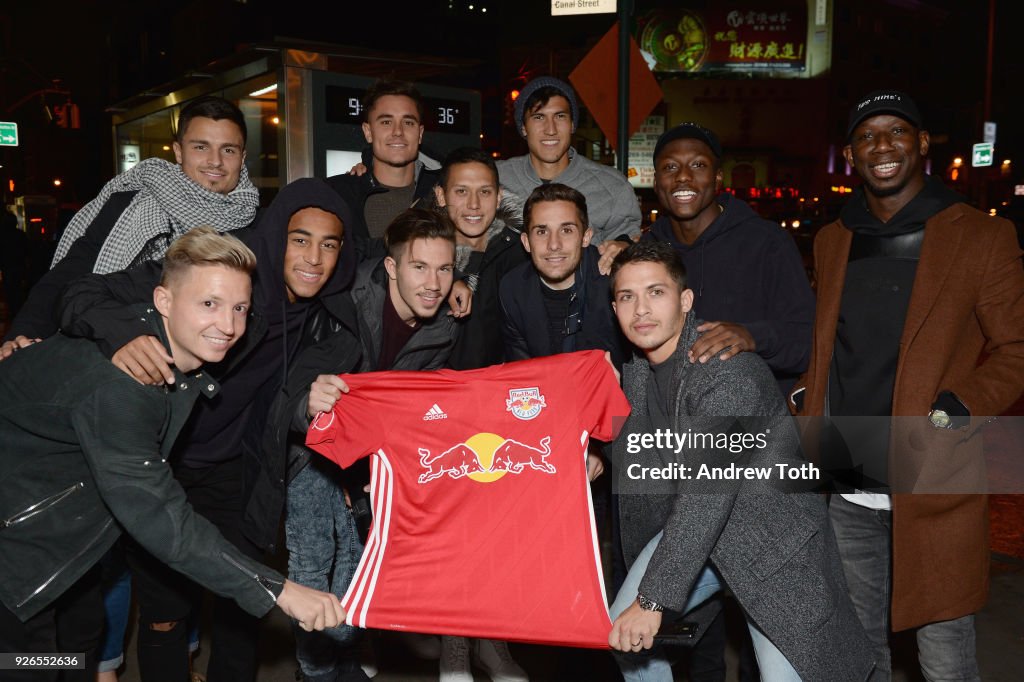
(512,456)
(457,461)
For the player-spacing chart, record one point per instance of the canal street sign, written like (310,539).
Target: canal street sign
(564,7)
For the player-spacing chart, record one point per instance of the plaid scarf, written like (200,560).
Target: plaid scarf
(167,204)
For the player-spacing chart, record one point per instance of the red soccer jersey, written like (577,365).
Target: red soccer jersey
(483,521)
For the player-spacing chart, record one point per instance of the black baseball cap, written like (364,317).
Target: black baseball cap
(884,102)
(692,131)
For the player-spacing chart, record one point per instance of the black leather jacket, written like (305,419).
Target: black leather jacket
(84,456)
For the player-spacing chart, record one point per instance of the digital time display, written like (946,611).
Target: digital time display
(440,114)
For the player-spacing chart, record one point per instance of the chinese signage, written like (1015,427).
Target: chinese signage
(731,36)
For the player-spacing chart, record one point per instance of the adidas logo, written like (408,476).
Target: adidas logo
(433,413)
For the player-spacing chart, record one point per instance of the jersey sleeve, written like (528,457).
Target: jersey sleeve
(605,407)
(352,429)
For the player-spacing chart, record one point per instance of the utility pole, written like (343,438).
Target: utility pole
(622,148)
(983,194)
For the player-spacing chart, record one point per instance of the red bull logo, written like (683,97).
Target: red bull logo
(525,403)
(486,457)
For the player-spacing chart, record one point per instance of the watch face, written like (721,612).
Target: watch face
(646,604)
(939,419)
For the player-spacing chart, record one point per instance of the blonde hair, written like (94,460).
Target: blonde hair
(205,246)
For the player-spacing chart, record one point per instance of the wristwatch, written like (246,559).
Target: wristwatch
(940,419)
(648,605)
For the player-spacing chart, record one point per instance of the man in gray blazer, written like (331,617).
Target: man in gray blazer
(714,494)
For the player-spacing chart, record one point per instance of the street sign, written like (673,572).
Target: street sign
(981,154)
(8,134)
(565,7)
(596,79)
(989,133)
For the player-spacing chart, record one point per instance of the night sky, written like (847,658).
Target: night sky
(106,51)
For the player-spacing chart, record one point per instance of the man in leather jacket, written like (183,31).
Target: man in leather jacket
(85,456)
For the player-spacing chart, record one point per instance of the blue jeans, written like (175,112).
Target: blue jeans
(655,668)
(946,650)
(323,552)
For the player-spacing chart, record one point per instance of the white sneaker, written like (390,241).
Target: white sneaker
(426,647)
(495,659)
(455,660)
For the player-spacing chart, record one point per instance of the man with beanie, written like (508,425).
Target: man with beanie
(920,315)
(546,116)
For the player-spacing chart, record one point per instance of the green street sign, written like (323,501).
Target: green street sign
(8,134)
(981,154)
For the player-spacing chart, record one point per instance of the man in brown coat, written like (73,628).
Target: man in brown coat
(914,286)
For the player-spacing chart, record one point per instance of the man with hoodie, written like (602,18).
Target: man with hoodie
(402,325)
(749,286)
(546,116)
(299,288)
(920,327)
(141,211)
(745,272)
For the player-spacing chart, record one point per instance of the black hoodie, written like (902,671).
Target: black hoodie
(251,376)
(216,431)
(255,368)
(747,270)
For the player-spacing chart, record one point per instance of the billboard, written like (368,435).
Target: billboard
(746,35)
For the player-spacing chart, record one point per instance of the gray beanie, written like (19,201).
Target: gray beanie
(546,82)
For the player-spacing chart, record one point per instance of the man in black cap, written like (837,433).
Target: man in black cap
(913,286)
(745,272)
(749,285)
(546,116)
